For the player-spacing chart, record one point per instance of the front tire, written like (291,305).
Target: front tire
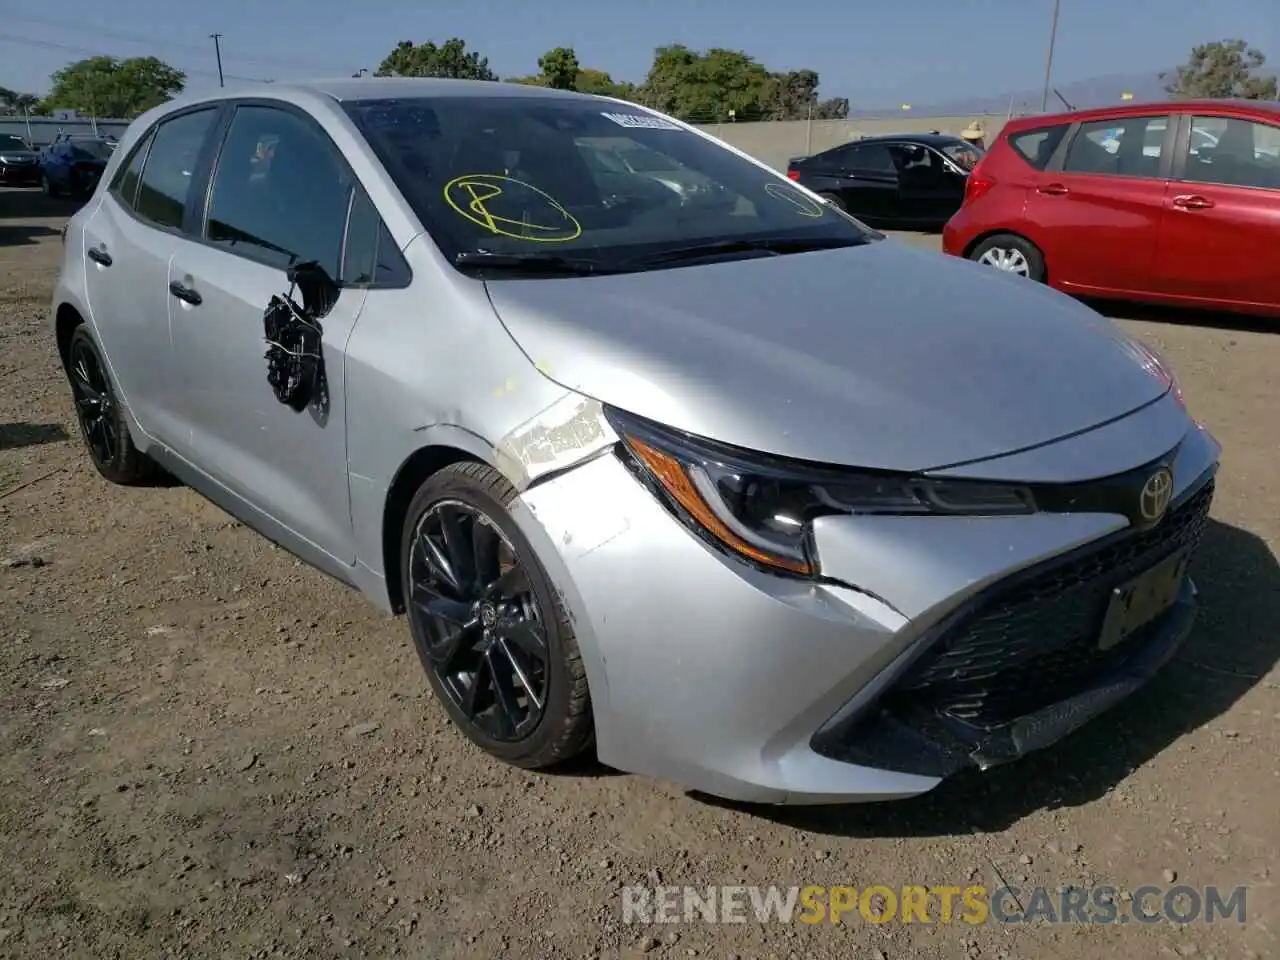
(487,623)
(103,424)
(46,185)
(1012,254)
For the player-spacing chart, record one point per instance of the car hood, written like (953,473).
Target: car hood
(18,154)
(878,355)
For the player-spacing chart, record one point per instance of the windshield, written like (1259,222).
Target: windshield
(581,178)
(9,142)
(90,149)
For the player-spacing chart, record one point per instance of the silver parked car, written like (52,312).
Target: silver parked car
(755,498)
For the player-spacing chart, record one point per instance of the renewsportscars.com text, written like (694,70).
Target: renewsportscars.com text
(969,904)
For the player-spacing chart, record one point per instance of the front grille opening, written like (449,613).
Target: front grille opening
(1035,642)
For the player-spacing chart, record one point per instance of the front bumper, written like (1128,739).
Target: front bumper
(758,688)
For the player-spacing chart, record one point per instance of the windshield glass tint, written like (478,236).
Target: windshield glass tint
(587,177)
(90,150)
(9,142)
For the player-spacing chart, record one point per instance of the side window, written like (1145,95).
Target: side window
(166,176)
(370,256)
(869,158)
(125,183)
(280,191)
(1235,152)
(1037,146)
(1119,147)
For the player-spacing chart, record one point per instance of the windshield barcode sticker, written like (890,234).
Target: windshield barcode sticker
(640,121)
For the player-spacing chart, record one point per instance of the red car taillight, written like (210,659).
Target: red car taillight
(793,174)
(977,184)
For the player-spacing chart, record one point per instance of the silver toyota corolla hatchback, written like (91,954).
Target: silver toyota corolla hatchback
(670,456)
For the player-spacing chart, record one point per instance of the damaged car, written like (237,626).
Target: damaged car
(717,482)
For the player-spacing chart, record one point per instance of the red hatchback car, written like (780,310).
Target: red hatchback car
(1175,203)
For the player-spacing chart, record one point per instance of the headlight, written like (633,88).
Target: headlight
(761,508)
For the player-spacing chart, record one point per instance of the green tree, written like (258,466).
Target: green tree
(1221,69)
(110,87)
(450,59)
(601,84)
(559,68)
(707,87)
(586,80)
(720,84)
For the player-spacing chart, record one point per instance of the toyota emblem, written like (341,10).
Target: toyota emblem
(1155,496)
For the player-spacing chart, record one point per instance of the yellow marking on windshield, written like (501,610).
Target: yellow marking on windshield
(473,196)
(804,205)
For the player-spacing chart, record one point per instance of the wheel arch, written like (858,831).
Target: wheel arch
(66,319)
(412,474)
(986,235)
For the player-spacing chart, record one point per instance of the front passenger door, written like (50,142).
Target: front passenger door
(1223,214)
(280,194)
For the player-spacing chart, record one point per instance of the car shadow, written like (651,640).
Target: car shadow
(22,204)
(17,234)
(16,435)
(1153,313)
(1233,646)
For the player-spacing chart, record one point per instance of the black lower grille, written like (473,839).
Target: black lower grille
(1034,641)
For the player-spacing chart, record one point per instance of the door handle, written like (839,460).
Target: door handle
(1053,190)
(185,294)
(99,256)
(1192,201)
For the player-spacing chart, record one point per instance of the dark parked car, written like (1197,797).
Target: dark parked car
(19,164)
(74,165)
(908,180)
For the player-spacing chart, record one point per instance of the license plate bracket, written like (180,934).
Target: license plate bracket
(1141,600)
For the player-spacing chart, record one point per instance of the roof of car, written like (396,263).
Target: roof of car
(384,88)
(928,139)
(1132,109)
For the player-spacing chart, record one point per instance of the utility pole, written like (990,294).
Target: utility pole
(217,52)
(1048,62)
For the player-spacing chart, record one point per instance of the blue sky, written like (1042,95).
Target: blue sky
(873,52)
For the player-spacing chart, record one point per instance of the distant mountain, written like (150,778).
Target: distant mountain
(1102,91)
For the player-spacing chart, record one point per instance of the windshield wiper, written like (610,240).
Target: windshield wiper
(530,262)
(775,246)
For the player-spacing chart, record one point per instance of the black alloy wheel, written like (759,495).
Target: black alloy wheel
(483,629)
(102,422)
(95,405)
(486,623)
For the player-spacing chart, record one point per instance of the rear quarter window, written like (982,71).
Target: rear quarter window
(1037,146)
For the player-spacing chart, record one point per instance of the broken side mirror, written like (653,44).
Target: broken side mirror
(318,290)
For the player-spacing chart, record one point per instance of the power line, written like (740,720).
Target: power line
(159,42)
(85,51)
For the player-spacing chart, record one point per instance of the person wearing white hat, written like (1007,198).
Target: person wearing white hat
(975,135)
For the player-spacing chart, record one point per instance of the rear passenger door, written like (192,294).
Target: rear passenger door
(867,181)
(280,193)
(1098,205)
(128,241)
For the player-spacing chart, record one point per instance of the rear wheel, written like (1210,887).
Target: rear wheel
(1011,254)
(102,420)
(494,639)
(47,186)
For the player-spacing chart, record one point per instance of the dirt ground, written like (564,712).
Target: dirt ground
(209,750)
